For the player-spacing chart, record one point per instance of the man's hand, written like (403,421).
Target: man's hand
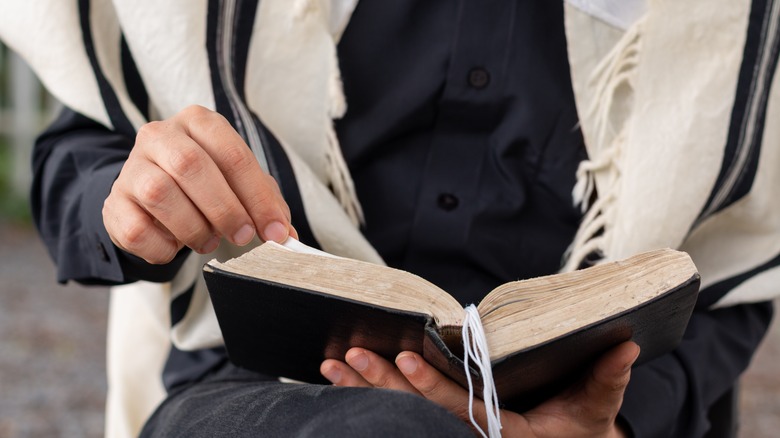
(191,180)
(585,410)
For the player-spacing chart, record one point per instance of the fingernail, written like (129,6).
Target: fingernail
(275,231)
(407,364)
(333,375)
(244,235)
(210,246)
(358,362)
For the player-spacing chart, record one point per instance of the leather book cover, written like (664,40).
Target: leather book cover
(279,330)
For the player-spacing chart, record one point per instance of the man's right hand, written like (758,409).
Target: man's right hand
(189,181)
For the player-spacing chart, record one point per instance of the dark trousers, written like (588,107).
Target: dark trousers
(238,403)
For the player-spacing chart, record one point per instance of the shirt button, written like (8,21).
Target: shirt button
(447,201)
(479,78)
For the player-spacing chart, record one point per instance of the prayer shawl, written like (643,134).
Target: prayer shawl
(673,98)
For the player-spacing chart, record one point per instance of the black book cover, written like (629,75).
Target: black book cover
(281,330)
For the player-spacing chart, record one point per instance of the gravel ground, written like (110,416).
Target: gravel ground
(52,348)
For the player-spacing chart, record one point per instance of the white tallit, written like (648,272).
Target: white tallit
(655,84)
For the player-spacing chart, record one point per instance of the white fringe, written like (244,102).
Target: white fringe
(338,103)
(337,173)
(616,70)
(475,347)
(583,189)
(340,180)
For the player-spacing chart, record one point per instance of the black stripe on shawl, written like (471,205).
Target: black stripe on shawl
(221,100)
(186,366)
(713,293)
(759,43)
(243,18)
(180,304)
(244,25)
(289,186)
(183,367)
(118,118)
(133,82)
(278,163)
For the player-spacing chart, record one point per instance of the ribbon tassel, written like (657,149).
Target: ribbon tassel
(475,348)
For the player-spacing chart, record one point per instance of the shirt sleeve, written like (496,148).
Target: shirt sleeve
(75,163)
(672,395)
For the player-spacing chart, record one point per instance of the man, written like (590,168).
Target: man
(460,140)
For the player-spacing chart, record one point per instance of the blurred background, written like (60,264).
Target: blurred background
(52,337)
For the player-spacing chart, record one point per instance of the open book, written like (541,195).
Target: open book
(283,311)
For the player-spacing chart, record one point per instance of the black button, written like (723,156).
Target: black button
(447,202)
(479,78)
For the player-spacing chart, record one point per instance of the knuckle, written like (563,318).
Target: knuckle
(602,421)
(235,158)
(222,216)
(266,197)
(136,240)
(133,236)
(461,410)
(196,115)
(192,233)
(195,112)
(186,162)
(165,255)
(382,380)
(432,389)
(149,132)
(596,416)
(262,203)
(618,385)
(154,190)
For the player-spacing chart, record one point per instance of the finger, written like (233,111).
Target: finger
(256,190)
(604,387)
(434,386)
(610,375)
(377,371)
(196,174)
(341,374)
(163,199)
(131,229)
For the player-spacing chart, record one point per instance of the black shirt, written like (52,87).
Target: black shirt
(461,136)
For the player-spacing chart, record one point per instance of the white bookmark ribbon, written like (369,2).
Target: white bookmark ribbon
(475,348)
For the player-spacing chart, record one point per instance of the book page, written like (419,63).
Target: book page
(351,279)
(525,313)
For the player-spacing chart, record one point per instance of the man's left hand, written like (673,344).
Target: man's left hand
(587,409)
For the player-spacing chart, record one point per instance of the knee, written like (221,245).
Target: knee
(374,412)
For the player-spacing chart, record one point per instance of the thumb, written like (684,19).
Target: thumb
(607,382)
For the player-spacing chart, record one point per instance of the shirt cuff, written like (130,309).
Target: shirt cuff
(105,262)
